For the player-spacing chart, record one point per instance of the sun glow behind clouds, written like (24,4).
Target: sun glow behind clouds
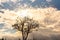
(24,13)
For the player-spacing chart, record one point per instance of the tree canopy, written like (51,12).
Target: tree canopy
(25,25)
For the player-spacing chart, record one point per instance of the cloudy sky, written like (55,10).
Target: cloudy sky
(42,10)
(12,4)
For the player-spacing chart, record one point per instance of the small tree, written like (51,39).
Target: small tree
(25,25)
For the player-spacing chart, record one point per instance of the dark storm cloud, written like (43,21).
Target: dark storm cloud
(12,5)
(56,3)
(40,3)
(7,5)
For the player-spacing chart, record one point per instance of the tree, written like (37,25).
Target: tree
(25,25)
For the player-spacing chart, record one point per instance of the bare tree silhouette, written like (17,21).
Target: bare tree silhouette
(25,25)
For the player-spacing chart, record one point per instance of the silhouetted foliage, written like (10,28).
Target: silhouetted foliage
(2,39)
(25,25)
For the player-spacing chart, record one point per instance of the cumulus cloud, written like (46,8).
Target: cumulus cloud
(49,19)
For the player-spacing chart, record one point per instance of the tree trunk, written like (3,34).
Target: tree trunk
(24,35)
